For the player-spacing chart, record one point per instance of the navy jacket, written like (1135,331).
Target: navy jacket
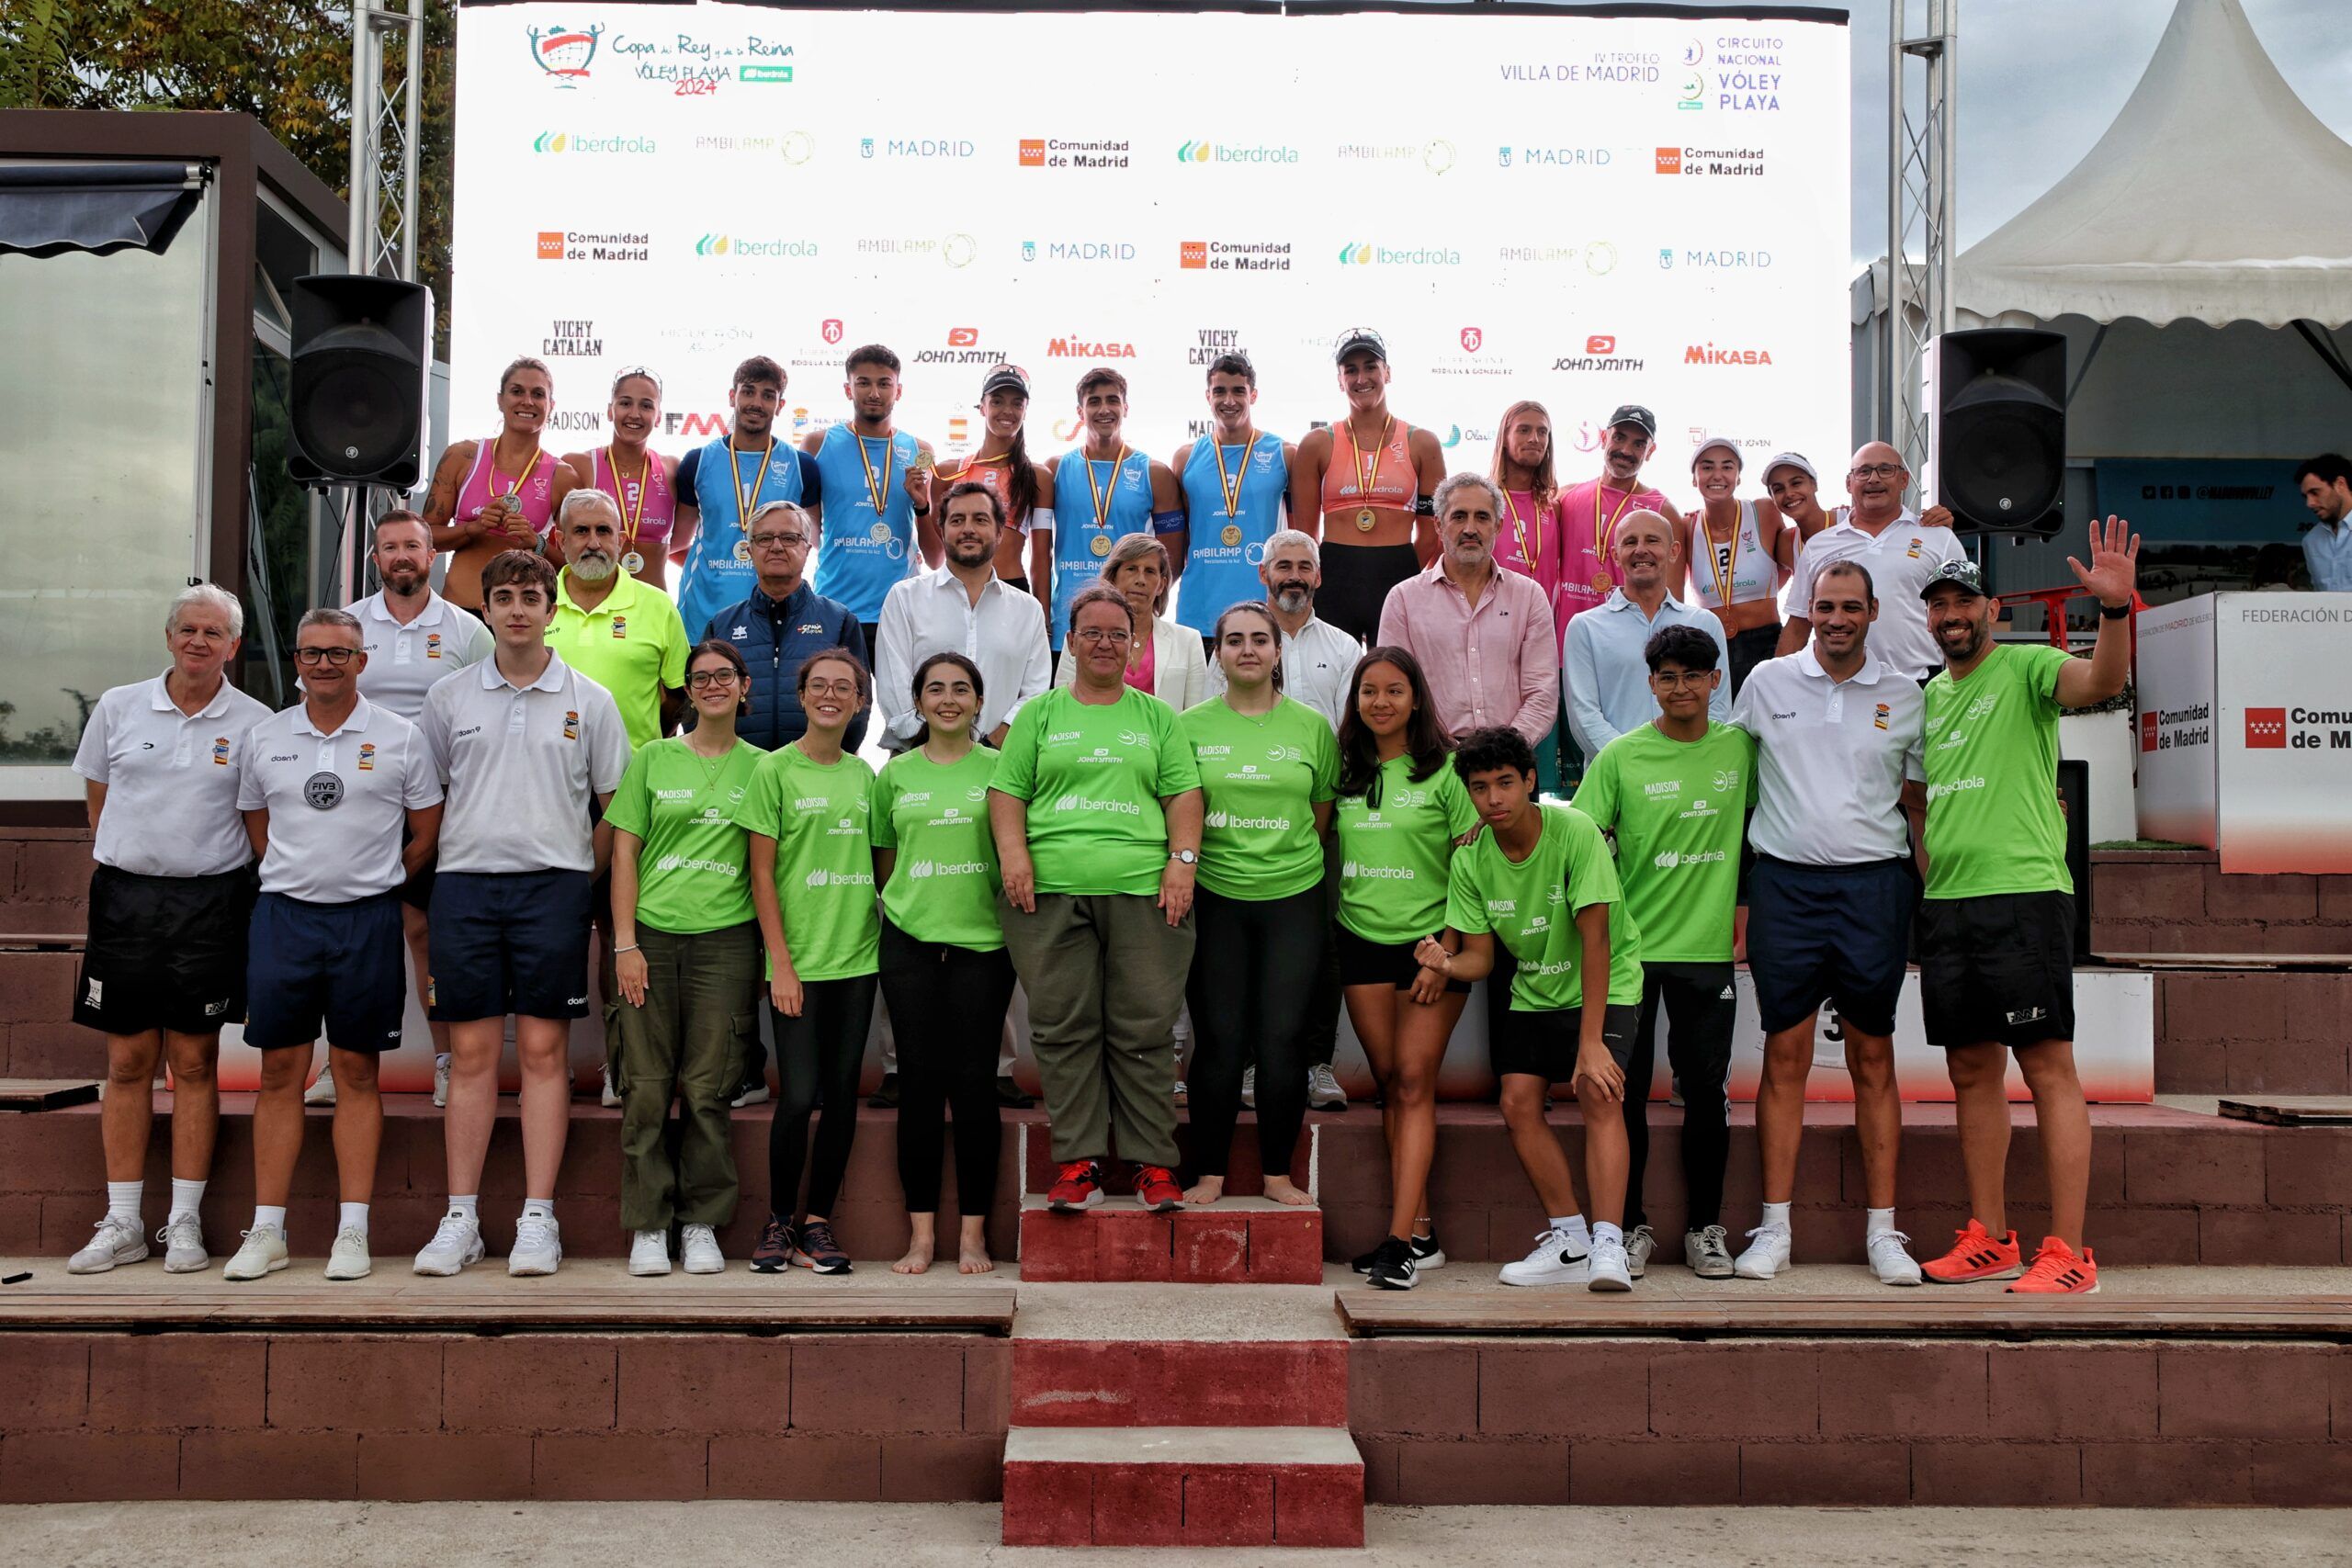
(773,638)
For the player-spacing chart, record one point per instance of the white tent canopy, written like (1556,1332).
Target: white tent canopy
(2215,197)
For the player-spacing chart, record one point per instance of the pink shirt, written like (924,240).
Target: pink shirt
(1527,531)
(1588,575)
(1496,663)
(1140,674)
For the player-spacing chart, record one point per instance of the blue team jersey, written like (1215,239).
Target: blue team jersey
(1082,537)
(718,569)
(864,551)
(1222,557)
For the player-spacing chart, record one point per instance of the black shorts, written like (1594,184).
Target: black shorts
(340,965)
(1834,933)
(1997,968)
(165,952)
(1544,1045)
(509,942)
(1356,580)
(1749,650)
(1366,963)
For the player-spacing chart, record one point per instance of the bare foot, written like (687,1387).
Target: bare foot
(1208,1189)
(974,1260)
(917,1259)
(1282,1189)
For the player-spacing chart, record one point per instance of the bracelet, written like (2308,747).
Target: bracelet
(2114,612)
(632,947)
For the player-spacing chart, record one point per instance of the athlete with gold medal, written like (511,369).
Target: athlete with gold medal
(1235,481)
(878,527)
(1104,490)
(499,494)
(1365,488)
(642,482)
(1022,488)
(1740,553)
(728,481)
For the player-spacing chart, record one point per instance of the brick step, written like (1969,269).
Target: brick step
(1198,1487)
(1179,1383)
(1238,1241)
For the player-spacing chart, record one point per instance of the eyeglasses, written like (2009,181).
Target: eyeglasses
(1874,471)
(703,679)
(833,688)
(779,541)
(338,657)
(1691,678)
(1094,637)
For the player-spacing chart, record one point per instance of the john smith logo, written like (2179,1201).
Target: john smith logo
(1471,338)
(1601,343)
(963,337)
(564,54)
(2265,729)
(1714,353)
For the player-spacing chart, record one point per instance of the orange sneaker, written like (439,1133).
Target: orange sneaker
(1976,1254)
(2059,1270)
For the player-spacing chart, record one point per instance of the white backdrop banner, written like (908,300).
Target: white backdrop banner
(1586,210)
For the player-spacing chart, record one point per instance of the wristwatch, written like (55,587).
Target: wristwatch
(1187,857)
(2114,612)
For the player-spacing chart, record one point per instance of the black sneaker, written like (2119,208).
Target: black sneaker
(816,1248)
(1010,1095)
(1428,1253)
(1392,1265)
(886,1098)
(774,1255)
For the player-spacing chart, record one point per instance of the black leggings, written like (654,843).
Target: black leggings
(947,1007)
(1253,969)
(1750,648)
(1356,580)
(1700,1012)
(819,1051)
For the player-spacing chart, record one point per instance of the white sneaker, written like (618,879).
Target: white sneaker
(321,1090)
(115,1241)
(1767,1253)
(1555,1261)
(1890,1260)
(183,1239)
(264,1252)
(348,1259)
(700,1245)
(455,1245)
(756,1092)
(611,1097)
(440,1082)
(1606,1266)
(1323,1090)
(538,1247)
(1249,1088)
(649,1253)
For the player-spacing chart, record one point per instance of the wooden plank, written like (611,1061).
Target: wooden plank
(2302,1111)
(1502,1311)
(985,1310)
(46,1094)
(2248,961)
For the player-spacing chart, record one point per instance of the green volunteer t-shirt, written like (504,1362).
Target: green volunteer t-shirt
(1092,777)
(818,814)
(1394,856)
(692,869)
(944,886)
(1531,907)
(1260,779)
(1994,824)
(1679,811)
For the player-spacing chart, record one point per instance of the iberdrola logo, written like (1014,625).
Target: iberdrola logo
(1356,252)
(713,245)
(919,868)
(1196,152)
(550,141)
(564,53)
(1216,819)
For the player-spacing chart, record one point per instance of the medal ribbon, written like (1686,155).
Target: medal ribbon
(1719,564)
(1232,488)
(744,498)
(1104,494)
(878,492)
(1364,483)
(1603,536)
(514,491)
(631,517)
(1531,554)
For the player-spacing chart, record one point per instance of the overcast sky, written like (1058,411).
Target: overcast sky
(2040,80)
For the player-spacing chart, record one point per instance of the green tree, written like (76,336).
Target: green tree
(286,63)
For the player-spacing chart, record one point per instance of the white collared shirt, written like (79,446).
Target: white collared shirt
(1831,759)
(1316,665)
(1004,634)
(1899,560)
(338,803)
(171,780)
(406,661)
(520,766)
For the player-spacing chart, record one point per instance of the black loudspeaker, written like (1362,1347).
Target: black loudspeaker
(363,357)
(1997,399)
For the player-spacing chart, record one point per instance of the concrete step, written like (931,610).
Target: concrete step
(1179,1383)
(1239,1240)
(1198,1487)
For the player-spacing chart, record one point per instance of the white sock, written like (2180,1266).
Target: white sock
(1878,1221)
(1603,1231)
(465,1205)
(440,1058)
(539,1208)
(265,1215)
(123,1199)
(353,1216)
(1775,1216)
(186,1197)
(1574,1226)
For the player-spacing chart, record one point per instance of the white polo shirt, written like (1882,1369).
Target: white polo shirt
(520,766)
(406,661)
(1317,664)
(171,780)
(338,803)
(1832,756)
(1004,634)
(1899,560)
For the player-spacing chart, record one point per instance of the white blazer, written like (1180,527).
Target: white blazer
(1180,670)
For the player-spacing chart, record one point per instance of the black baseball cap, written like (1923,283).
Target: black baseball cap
(1357,340)
(1959,571)
(1005,378)
(1634,414)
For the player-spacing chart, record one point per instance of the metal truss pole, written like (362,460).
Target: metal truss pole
(1919,216)
(385,98)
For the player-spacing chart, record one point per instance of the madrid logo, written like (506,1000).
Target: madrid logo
(563,52)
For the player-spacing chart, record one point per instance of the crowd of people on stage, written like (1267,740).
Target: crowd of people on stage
(1405,730)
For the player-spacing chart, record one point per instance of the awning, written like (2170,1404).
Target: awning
(47,209)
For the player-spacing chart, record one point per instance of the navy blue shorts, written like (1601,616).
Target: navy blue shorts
(337,964)
(1834,933)
(508,941)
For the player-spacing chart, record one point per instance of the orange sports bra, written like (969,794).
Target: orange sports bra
(1382,477)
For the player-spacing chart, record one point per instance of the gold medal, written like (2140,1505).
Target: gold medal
(633,563)
(743,551)
(1367,483)
(1100,545)
(632,518)
(1104,495)
(1228,536)
(1602,582)
(878,533)
(1364,521)
(925,462)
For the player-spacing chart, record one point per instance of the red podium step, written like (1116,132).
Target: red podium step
(1182,1486)
(1238,1241)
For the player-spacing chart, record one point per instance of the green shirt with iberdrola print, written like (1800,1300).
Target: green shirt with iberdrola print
(1991,755)
(1679,809)
(817,813)
(1531,907)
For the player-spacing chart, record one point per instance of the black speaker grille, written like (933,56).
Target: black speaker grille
(360,414)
